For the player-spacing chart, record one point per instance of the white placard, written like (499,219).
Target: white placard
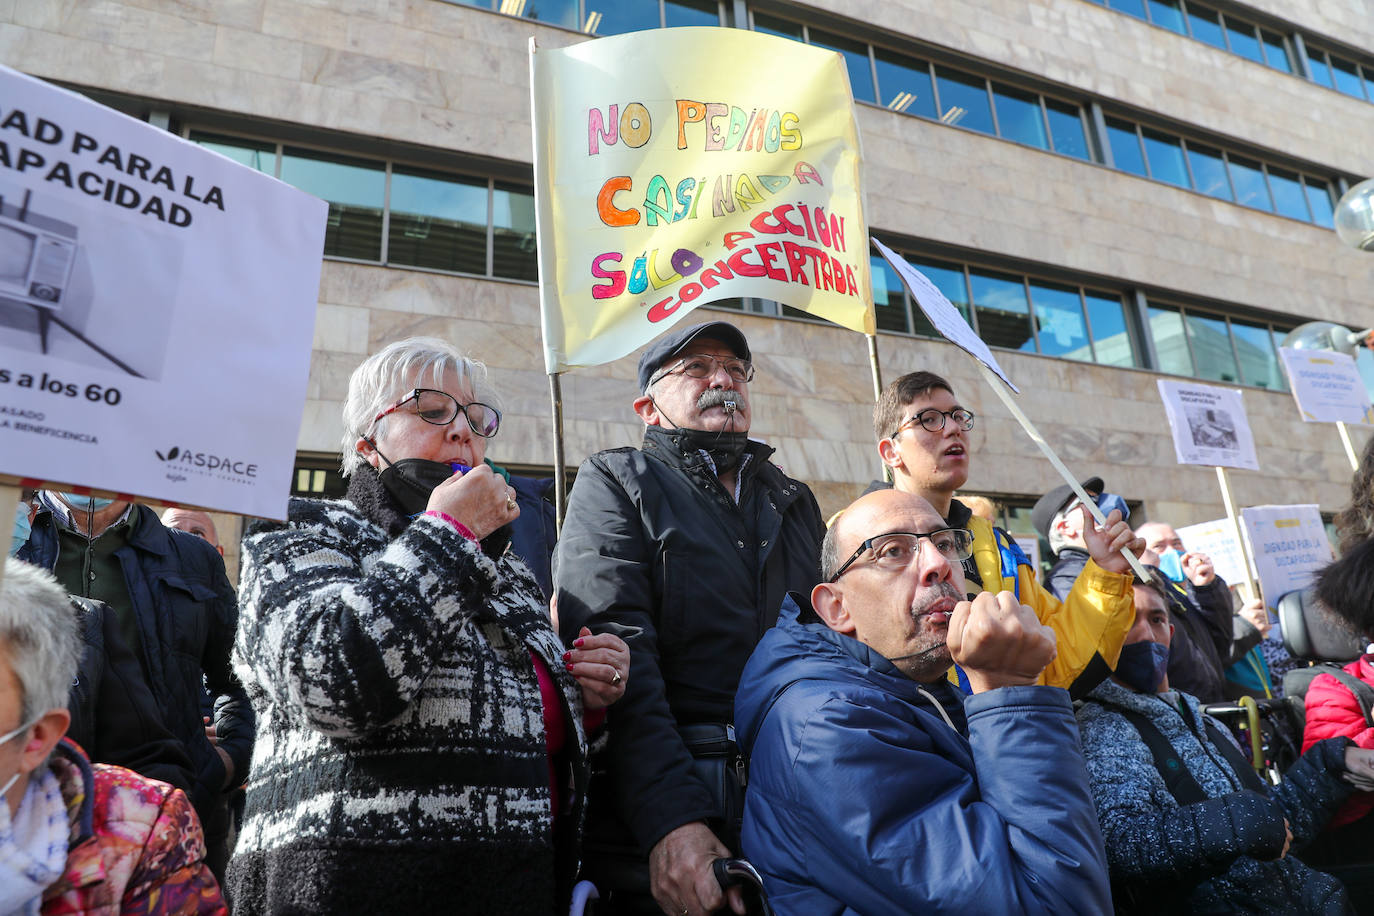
(157,305)
(1327,386)
(1030,546)
(1209,425)
(1289,545)
(942,312)
(1217,539)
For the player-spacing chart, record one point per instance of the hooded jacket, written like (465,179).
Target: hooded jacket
(871,793)
(1214,856)
(1332,711)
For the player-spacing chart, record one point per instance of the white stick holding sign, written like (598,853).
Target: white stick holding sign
(1290,547)
(1248,587)
(947,320)
(158,304)
(1327,388)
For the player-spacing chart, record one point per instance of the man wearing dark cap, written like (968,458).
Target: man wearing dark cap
(685,547)
(1058,517)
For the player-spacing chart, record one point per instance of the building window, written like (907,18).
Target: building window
(608,17)
(318,477)
(1216,347)
(403,216)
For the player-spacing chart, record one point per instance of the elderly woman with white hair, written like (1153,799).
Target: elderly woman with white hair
(420,743)
(77,837)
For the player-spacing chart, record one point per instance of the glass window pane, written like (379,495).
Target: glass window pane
(1111,336)
(1066,129)
(437,221)
(1166,158)
(948,279)
(855,54)
(1171,345)
(1206,25)
(888,300)
(1289,199)
(1125,144)
(1209,171)
(1019,117)
(1248,180)
(1275,52)
(963,100)
(617,16)
(1243,39)
(1166,13)
(1003,315)
(1347,77)
(904,83)
(775,26)
(1368,82)
(1259,363)
(1212,348)
(1134,8)
(1059,321)
(690,12)
(1316,61)
(1320,199)
(514,252)
(255,154)
(355,190)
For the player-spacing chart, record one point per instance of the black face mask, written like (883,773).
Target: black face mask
(411,480)
(724,447)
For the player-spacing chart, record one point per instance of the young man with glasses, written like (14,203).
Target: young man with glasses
(923,437)
(686,547)
(875,785)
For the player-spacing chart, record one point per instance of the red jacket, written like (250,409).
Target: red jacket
(1331,712)
(135,845)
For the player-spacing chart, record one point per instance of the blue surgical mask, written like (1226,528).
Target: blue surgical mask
(85,503)
(1171,564)
(1142,665)
(21,527)
(1109,501)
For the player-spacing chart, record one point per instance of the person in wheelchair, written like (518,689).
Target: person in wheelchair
(1189,826)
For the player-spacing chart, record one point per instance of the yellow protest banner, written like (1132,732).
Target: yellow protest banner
(676,167)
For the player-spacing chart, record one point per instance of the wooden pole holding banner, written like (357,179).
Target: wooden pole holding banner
(1349,446)
(1088,502)
(560,474)
(1249,587)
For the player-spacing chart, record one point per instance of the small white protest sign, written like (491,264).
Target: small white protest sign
(1030,546)
(942,313)
(1289,544)
(1209,425)
(1327,386)
(157,307)
(1217,539)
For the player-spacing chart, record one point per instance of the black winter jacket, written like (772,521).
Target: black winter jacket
(187,614)
(114,716)
(655,550)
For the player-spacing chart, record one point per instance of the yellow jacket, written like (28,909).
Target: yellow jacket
(1089,626)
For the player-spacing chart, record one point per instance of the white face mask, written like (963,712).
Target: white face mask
(6,739)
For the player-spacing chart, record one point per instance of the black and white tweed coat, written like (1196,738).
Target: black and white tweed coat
(400,761)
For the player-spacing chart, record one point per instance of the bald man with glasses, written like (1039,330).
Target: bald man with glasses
(877,786)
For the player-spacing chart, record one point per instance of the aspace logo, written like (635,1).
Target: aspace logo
(207,463)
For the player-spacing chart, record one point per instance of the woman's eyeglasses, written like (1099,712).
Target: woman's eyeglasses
(440,408)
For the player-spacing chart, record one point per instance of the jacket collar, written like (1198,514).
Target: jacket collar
(85,865)
(663,444)
(148,533)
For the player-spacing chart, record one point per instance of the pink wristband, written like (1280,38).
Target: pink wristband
(458,526)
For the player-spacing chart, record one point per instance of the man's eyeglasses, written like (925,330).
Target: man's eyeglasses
(895,550)
(440,408)
(932,420)
(704,365)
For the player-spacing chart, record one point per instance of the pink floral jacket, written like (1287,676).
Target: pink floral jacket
(135,845)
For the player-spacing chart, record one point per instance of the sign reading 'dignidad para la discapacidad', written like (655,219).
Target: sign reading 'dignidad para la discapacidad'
(157,305)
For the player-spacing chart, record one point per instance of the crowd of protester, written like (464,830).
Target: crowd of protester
(422,698)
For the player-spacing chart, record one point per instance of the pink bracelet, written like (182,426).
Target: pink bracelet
(458,526)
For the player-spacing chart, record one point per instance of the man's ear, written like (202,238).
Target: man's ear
(891,455)
(648,411)
(365,448)
(828,603)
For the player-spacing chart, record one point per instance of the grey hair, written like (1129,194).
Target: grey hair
(389,374)
(38,634)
